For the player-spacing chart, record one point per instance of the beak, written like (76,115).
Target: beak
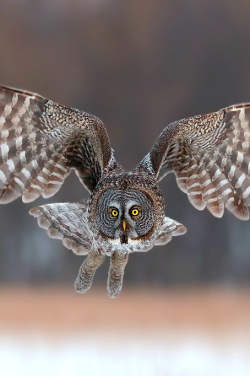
(124,225)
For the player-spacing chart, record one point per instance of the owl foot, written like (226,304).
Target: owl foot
(116,271)
(82,285)
(114,289)
(87,271)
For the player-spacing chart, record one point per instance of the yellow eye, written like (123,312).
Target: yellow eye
(134,212)
(114,212)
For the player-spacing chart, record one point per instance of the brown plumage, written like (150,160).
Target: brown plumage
(41,141)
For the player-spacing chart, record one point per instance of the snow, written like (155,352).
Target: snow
(129,354)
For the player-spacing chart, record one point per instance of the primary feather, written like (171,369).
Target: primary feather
(41,141)
(210,156)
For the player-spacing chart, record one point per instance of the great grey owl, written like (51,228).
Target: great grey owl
(42,141)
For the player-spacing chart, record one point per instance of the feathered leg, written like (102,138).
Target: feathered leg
(87,271)
(118,262)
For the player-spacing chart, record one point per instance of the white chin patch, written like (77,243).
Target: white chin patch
(118,241)
(133,241)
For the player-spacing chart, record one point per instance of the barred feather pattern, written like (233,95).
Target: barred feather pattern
(210,156)
(40,141)
(29,163)
(169,229)
(68,222)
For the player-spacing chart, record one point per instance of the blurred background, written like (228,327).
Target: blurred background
(138,65)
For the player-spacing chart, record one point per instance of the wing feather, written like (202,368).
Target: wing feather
(210,156)
(68,222)
(41,141)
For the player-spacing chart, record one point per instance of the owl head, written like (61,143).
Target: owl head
(128,210)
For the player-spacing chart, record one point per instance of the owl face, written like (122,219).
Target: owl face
(125,216)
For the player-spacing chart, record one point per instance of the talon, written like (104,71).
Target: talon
(87,271)
(115,289)
(82,287)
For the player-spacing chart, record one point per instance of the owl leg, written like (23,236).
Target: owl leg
(87,271)
(118,262)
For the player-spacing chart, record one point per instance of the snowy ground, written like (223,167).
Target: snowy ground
(133,355)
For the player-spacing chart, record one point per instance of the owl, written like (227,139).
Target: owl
(42,141)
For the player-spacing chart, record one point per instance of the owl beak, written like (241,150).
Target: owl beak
(124,225)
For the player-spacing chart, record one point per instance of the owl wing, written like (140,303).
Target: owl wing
(41,141)
(210,156)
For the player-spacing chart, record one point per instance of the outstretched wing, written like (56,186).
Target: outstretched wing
(210,156)
(41,141)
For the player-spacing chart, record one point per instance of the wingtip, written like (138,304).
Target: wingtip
(35,212)
(181,230)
